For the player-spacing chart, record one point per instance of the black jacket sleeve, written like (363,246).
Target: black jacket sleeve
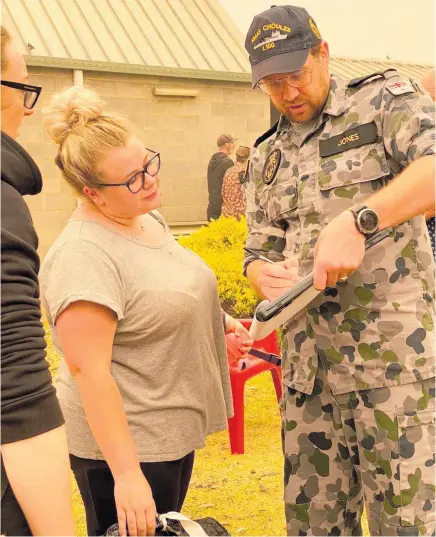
(226,164)
(29,404)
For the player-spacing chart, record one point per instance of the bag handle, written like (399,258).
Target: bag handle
(192,528)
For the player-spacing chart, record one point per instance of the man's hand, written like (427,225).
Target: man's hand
(338,252)
(275,279)
(430,213)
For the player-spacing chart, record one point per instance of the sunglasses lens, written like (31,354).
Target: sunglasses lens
(29,99)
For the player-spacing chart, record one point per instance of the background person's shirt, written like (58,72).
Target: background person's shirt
(169,355)
(218,165)
(232,193)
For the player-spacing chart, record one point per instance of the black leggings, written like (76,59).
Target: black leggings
(169,483)
(13,521)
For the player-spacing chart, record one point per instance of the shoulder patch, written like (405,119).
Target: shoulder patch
(356,82)
(399,86)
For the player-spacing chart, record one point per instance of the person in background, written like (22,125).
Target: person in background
(347,159)
(232,193)
(219,163)
(137,322)
(35,470)
(428,83)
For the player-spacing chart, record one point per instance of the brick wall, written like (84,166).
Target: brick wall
(183,129)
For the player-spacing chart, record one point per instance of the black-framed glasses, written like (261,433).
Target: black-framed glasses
(137,181)
(31,93)
(299,79)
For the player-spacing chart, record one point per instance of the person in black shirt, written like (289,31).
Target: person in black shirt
(35,471)
(219,163)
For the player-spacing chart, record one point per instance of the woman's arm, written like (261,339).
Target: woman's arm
(38,471)
(86,332)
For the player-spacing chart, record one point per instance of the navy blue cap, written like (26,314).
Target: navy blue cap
(279,41)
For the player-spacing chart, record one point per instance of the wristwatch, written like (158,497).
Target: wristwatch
(366,219)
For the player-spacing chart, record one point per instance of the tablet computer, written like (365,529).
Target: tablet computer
(270,314)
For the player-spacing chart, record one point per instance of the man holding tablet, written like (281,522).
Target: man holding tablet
(346,160)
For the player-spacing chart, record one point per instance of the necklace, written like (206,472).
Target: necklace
(137,236)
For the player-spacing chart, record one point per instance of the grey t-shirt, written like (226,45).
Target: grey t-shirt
(303,129)
(169,356)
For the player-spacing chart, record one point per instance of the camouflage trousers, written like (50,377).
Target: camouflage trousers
(371,447)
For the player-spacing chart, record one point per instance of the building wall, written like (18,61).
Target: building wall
(183,129)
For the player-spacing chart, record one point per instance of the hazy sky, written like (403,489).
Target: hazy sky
(401,29)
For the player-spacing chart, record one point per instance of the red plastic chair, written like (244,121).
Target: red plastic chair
(238,380)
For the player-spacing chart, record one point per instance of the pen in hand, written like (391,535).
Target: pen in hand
(258,256)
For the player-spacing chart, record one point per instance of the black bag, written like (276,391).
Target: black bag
(181,526)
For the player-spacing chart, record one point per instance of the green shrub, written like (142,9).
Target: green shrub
(221,246)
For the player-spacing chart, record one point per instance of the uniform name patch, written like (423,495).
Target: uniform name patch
(361,135)
(271,166)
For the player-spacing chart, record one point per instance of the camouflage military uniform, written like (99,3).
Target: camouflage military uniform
(358,363)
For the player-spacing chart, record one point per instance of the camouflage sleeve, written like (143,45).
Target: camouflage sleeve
(263,236)
(408,126)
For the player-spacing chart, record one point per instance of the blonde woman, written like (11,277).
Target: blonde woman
(137,320)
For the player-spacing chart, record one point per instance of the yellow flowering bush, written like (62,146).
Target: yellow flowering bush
(221,246)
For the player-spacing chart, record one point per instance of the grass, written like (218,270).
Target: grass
(243,492)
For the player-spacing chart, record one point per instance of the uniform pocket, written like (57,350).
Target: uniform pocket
(350,177)
(280,201)
(416,468)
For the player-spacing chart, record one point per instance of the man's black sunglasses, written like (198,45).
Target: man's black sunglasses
(137,181)
(31,93)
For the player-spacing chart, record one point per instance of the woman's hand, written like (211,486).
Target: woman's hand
(238,340)
(135,505)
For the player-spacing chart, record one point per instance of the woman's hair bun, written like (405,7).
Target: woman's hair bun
(71,109)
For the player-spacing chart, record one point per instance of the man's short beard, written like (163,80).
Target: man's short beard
(317,112)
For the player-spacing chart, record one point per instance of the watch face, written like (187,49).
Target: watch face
(368,221)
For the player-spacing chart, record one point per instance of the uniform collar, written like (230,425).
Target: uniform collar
(284,124)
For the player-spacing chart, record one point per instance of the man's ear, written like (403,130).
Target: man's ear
(324,51)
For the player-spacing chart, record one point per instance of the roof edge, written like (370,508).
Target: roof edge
(381,61)
(173,72)
(177,72)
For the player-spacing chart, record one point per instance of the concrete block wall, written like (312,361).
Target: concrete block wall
(183,129)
